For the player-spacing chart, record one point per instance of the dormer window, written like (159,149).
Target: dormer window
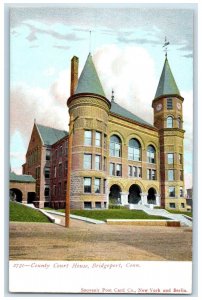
(169,103)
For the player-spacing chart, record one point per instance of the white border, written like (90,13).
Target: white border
(198,110)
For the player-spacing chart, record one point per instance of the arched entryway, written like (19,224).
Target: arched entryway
(134,194)
(115,194)
(151,198)
(16,195)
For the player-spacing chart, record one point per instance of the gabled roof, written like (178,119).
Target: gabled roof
(50,135)
(89,81)
(21,178)
(119,110)
(167,84)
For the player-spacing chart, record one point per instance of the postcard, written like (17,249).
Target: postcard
(101,149)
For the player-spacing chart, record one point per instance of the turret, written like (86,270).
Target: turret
(89,111)
(168,118)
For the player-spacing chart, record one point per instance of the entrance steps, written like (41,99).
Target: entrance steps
(162,213)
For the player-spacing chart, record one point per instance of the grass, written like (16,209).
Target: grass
(187,213)
(21,213)
(115,214)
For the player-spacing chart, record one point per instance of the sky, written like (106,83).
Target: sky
(127,48)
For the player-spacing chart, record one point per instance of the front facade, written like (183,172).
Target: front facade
(117,158)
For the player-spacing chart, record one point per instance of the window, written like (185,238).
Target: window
(172,205)
(135,171)
(169,123)
(181,175)
(60,170)
(87,184)
(112,169)
(105,141)
(65,148)
(55,171)
(56,154)
(47,191)
(54,190)
(130,171)
(65,168)
(87,163)
(151,174)
(88,138)
(181,192)
(180,159)
(60,151)
(97,139)
(139,174)
(48,153)
(105,163)
(179,123)
(97,162)
(59,188)
(65,187)
(134,150)
(37,172)
(118,170)
(169,103)
(171,191)
(170,158)
(97,185)
(170,175)
(182,205)
(151,154)
(87,205)
(47,172)
(115,146)
(97,204)
(104,186)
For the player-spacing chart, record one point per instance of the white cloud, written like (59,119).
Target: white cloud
(47,106)
(131,73)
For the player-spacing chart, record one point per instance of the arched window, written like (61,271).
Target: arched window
(169,122)
(134,150)
(115,146)
(179,123)
(151,154)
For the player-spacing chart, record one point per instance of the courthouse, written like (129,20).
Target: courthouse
(117,157)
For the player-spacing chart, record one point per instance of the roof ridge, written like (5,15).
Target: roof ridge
(139,120)
(51,127)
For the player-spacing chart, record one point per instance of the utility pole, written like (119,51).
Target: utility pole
(68,194)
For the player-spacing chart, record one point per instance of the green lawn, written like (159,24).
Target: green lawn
(114,214)
(187,213)
(21,213)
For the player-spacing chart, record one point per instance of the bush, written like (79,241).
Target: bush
(116,206)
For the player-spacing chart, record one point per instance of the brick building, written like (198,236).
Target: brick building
(116,156)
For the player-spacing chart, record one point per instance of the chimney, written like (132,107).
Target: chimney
(74,74)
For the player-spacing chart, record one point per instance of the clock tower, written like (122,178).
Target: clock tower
(168,118)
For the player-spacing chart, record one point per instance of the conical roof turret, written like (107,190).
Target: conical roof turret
(167,84)
(89,81)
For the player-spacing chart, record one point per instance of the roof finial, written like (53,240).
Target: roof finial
(166,43)
(112,98)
